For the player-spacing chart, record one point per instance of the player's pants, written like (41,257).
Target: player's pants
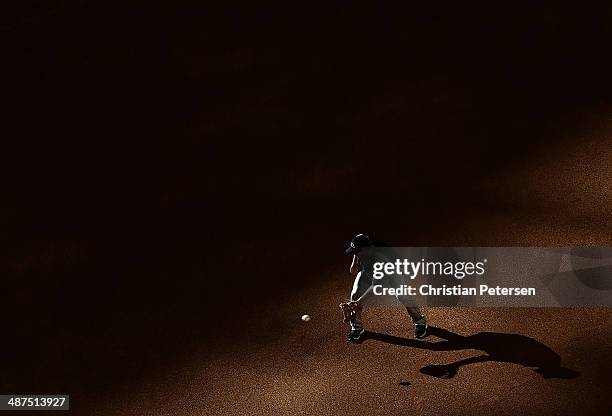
(361,285)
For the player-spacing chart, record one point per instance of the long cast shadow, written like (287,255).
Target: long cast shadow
(500,347)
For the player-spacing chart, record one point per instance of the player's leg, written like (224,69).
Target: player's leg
(420,323)
(359,292)
(419,320)
(409,302)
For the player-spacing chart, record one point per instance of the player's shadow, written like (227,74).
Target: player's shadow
(508,348)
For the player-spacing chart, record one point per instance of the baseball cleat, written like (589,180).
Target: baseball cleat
(420,329)
(355,334)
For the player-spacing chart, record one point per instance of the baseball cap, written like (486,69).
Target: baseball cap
(357,243)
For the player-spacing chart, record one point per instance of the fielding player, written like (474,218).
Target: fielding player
(360,269)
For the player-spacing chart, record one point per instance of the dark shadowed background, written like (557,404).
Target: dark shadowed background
(171,166)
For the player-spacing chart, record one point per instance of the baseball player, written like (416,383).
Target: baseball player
(360,269)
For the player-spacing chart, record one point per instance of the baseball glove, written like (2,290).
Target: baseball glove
(350,310)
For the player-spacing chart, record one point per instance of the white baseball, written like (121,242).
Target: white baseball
(305,318)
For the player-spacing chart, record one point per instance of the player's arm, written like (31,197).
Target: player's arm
(355,266)
(365,295)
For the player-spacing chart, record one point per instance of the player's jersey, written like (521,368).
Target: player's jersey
(379,252)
